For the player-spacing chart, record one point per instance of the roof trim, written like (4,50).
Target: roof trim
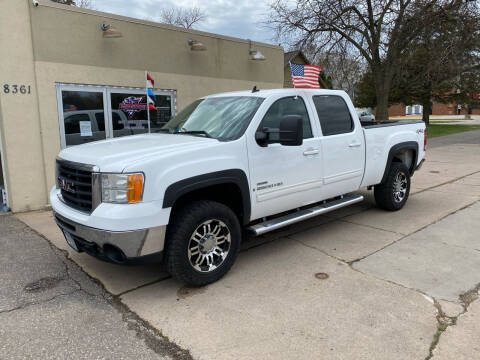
(52,4)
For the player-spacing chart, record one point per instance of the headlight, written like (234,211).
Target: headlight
(122,188)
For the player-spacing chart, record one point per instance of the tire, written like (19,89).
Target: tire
(203,240)
(393,193)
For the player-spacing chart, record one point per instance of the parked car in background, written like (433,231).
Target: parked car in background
(83,126)
(366,116)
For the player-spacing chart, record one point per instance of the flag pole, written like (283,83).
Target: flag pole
(148,103)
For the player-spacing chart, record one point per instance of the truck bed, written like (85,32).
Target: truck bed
(381,137)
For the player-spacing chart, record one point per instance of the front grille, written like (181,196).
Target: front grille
(75,183)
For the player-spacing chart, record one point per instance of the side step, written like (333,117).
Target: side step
(304,214)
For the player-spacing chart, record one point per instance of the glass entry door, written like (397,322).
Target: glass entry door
(82,114)
(91,113)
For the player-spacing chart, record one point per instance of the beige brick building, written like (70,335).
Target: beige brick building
(64,83)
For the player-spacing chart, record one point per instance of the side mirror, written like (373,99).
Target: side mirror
(261,137)
(291,130)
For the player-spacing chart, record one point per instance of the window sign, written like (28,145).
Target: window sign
(79,110)
(91,113)
(85,128)
(130,114)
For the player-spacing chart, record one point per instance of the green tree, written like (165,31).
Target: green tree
(325,81)
(377,30)
(365,96)
(436,66)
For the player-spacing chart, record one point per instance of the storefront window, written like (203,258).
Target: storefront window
(90,113)
(81,110)
(129,114)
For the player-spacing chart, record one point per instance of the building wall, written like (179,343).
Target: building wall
(21,140)
(1,171)
(437,109)
(396,110)
(65,45)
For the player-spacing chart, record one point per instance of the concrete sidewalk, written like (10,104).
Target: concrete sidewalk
(359,283)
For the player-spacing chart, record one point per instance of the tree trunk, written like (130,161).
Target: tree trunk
(468,111)
(383,81)
(427,110)
(427,103)
(381,113)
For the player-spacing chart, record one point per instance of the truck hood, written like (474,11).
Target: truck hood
(115,155)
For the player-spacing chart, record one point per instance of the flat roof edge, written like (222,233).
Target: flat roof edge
(52,4)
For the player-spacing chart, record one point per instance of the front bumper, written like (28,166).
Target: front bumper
(121,247)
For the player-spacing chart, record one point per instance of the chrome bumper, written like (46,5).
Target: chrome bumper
(115,246)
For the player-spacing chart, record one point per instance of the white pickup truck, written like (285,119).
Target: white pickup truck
(250,160)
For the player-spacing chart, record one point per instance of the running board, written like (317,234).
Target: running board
(304,214)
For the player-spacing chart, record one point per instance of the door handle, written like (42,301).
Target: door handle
(354,145)
(311,152)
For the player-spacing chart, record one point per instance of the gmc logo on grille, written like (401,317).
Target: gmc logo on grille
(66,185)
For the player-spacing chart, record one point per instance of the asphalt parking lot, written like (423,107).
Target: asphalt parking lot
(359,283)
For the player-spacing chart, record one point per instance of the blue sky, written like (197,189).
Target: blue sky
(237,18)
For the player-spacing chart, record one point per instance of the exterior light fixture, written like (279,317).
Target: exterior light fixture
(110,32)
(196,45)
(254,54)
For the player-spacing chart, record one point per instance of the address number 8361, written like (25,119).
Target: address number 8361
(17,89)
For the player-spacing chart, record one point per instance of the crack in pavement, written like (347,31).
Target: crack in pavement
(370,226)
(152,337)
(33,303)
(446,182)
(360,272)
(444,321)
(144,285)
(413,232)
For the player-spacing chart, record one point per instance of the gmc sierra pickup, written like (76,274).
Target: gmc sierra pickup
(250,160)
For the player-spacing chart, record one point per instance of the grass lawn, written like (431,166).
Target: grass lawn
(434,130)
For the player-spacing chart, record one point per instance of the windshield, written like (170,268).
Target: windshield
(222,118)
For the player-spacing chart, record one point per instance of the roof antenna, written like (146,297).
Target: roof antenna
(254,90)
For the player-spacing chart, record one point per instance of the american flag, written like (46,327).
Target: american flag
(305,76)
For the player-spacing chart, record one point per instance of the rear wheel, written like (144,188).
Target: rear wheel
(203,240)
(393,193)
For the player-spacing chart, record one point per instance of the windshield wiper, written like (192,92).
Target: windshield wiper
(195,132)
(163,130)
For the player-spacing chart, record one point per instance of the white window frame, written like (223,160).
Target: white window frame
(107,104)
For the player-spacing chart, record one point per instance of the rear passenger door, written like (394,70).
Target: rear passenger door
(342,144)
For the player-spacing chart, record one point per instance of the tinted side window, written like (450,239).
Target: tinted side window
(293,105)
(333,114)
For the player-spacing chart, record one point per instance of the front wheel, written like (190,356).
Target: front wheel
(203,240)
(393,193)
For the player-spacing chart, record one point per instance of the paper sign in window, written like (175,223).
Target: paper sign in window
(85,128)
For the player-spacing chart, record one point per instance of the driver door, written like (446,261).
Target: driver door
(285,177)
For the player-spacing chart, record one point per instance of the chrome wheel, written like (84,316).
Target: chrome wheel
(209,245)
(400,187)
